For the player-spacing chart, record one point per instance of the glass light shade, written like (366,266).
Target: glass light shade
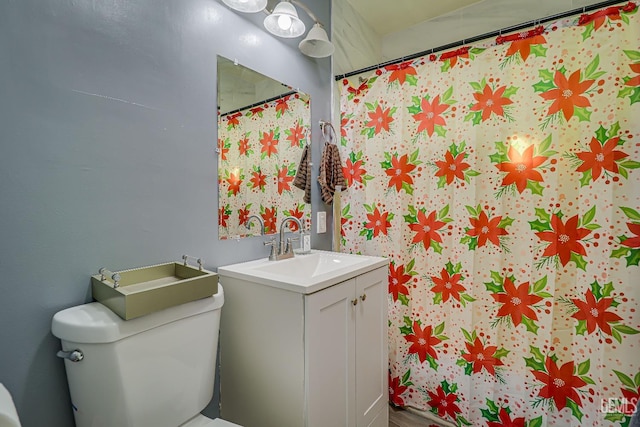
(317,44)
(284,21)
(247,6)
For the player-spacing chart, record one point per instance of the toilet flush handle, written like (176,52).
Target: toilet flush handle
(75,355)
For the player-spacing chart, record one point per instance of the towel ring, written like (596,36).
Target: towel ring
(332,134)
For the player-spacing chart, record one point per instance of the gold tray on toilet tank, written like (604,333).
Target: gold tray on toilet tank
(134,293)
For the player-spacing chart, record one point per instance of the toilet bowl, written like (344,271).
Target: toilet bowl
(8,413)
(155,370)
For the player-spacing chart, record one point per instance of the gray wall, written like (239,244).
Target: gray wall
(107,127)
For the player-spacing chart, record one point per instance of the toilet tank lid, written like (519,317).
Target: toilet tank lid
(95,323)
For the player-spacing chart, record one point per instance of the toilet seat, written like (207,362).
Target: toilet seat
(202,421)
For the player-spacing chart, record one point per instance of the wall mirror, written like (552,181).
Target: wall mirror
(263,128)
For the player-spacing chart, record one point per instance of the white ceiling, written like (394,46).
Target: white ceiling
(389,16)
(369,32)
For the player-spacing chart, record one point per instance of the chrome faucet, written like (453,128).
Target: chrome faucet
(284,248)
(260,221)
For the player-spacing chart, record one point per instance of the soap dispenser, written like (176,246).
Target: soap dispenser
(305,240)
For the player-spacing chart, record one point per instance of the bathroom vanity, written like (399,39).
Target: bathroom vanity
(304,341)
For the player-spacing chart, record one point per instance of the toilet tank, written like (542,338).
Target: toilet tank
(156,370)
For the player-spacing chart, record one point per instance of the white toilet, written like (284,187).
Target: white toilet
(8,413)
(156,370)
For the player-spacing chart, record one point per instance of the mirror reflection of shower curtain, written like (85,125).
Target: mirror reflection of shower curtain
(501,180)
(258,153)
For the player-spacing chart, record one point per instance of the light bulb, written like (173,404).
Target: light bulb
(284,22)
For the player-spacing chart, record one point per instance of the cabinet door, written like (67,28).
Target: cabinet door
(372,389)
(330,351)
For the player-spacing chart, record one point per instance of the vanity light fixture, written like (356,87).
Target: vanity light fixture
(247,6)
(283,21)
(317,44)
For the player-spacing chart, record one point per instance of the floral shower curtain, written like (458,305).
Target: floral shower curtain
(501,181)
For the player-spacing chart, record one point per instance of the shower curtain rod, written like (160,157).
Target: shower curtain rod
(255,104)
(490,34)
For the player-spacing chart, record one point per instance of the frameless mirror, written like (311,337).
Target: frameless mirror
(263,127)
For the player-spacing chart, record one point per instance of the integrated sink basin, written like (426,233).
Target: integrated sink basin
(304,273)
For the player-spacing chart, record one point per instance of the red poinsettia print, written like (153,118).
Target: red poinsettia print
(399,172)
(343,222)
(595,312)
(564,239)
(284,179)
(568,94)
(234,182)
(378,222)
(451,167)
(400,72)
(243,215)
(521,167)
(422,342)
(521,42)
(452,56)
(633,399)
(516,302)
(282,105)
(482,357)
(258,179)
(269,144)
(486,230)
(296,213)
(560,383)
(223,149)
(353,171)
(395,390)
(295,135)
(600,17)
(635,80)
(449,286)
(269,219)
(398,281)
(506,421)
(632,242)
(243,146)
(379,119)
(490,102)
(601,157)
(445,403)
(223,216)
(360,90)
(431,115)
(344,121)
(426,229)
(232,120)
(257,112)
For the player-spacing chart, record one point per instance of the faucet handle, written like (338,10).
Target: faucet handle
(274,251)
(290,240)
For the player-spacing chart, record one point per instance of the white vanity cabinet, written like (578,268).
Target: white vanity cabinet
(295,359)
(346,353)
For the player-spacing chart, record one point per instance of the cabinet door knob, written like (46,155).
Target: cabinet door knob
(363,297)
(355,301)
